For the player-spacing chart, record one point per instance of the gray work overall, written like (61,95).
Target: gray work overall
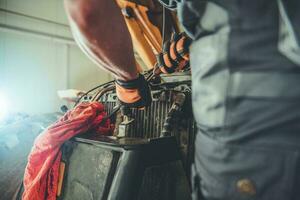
(245,62)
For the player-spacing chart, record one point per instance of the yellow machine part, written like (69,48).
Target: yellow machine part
(146,37)
(62,167)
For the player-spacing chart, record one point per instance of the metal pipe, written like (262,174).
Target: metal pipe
(33,17)
(38,34)
(150,36)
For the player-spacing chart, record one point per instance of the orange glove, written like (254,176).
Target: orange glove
(134,93)
(175,54)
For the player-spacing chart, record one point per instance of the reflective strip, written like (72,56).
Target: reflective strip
(288,44)
(62,167)
(264,84)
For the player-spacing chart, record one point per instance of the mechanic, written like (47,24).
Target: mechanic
(245,61)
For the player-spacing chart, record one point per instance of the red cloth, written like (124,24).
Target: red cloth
(42,170)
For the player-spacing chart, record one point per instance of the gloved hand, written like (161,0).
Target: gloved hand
(175,54)
(134,93)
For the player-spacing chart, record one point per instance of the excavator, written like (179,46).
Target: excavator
(150,153)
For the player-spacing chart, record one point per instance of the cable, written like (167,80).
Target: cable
(92,90)
(102,92)
(114,111)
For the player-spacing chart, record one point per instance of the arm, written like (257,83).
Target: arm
(100,31)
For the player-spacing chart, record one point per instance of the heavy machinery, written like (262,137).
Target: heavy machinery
(150,153)
(148,157)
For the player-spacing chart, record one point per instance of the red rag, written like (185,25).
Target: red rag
(42,170)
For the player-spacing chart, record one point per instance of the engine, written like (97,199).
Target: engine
(149,155)
(161,118)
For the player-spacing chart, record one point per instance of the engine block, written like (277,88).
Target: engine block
(148,123)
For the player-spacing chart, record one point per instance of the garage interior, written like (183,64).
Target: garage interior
(149,100)
(42,67)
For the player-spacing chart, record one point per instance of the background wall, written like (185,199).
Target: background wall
(38,56)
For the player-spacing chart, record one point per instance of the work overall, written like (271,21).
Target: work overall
(245,62)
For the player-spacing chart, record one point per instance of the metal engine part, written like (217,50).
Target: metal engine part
(149,123)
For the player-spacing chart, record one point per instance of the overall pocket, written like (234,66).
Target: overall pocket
(234,172)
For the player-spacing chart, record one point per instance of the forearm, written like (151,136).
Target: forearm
(100,31)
